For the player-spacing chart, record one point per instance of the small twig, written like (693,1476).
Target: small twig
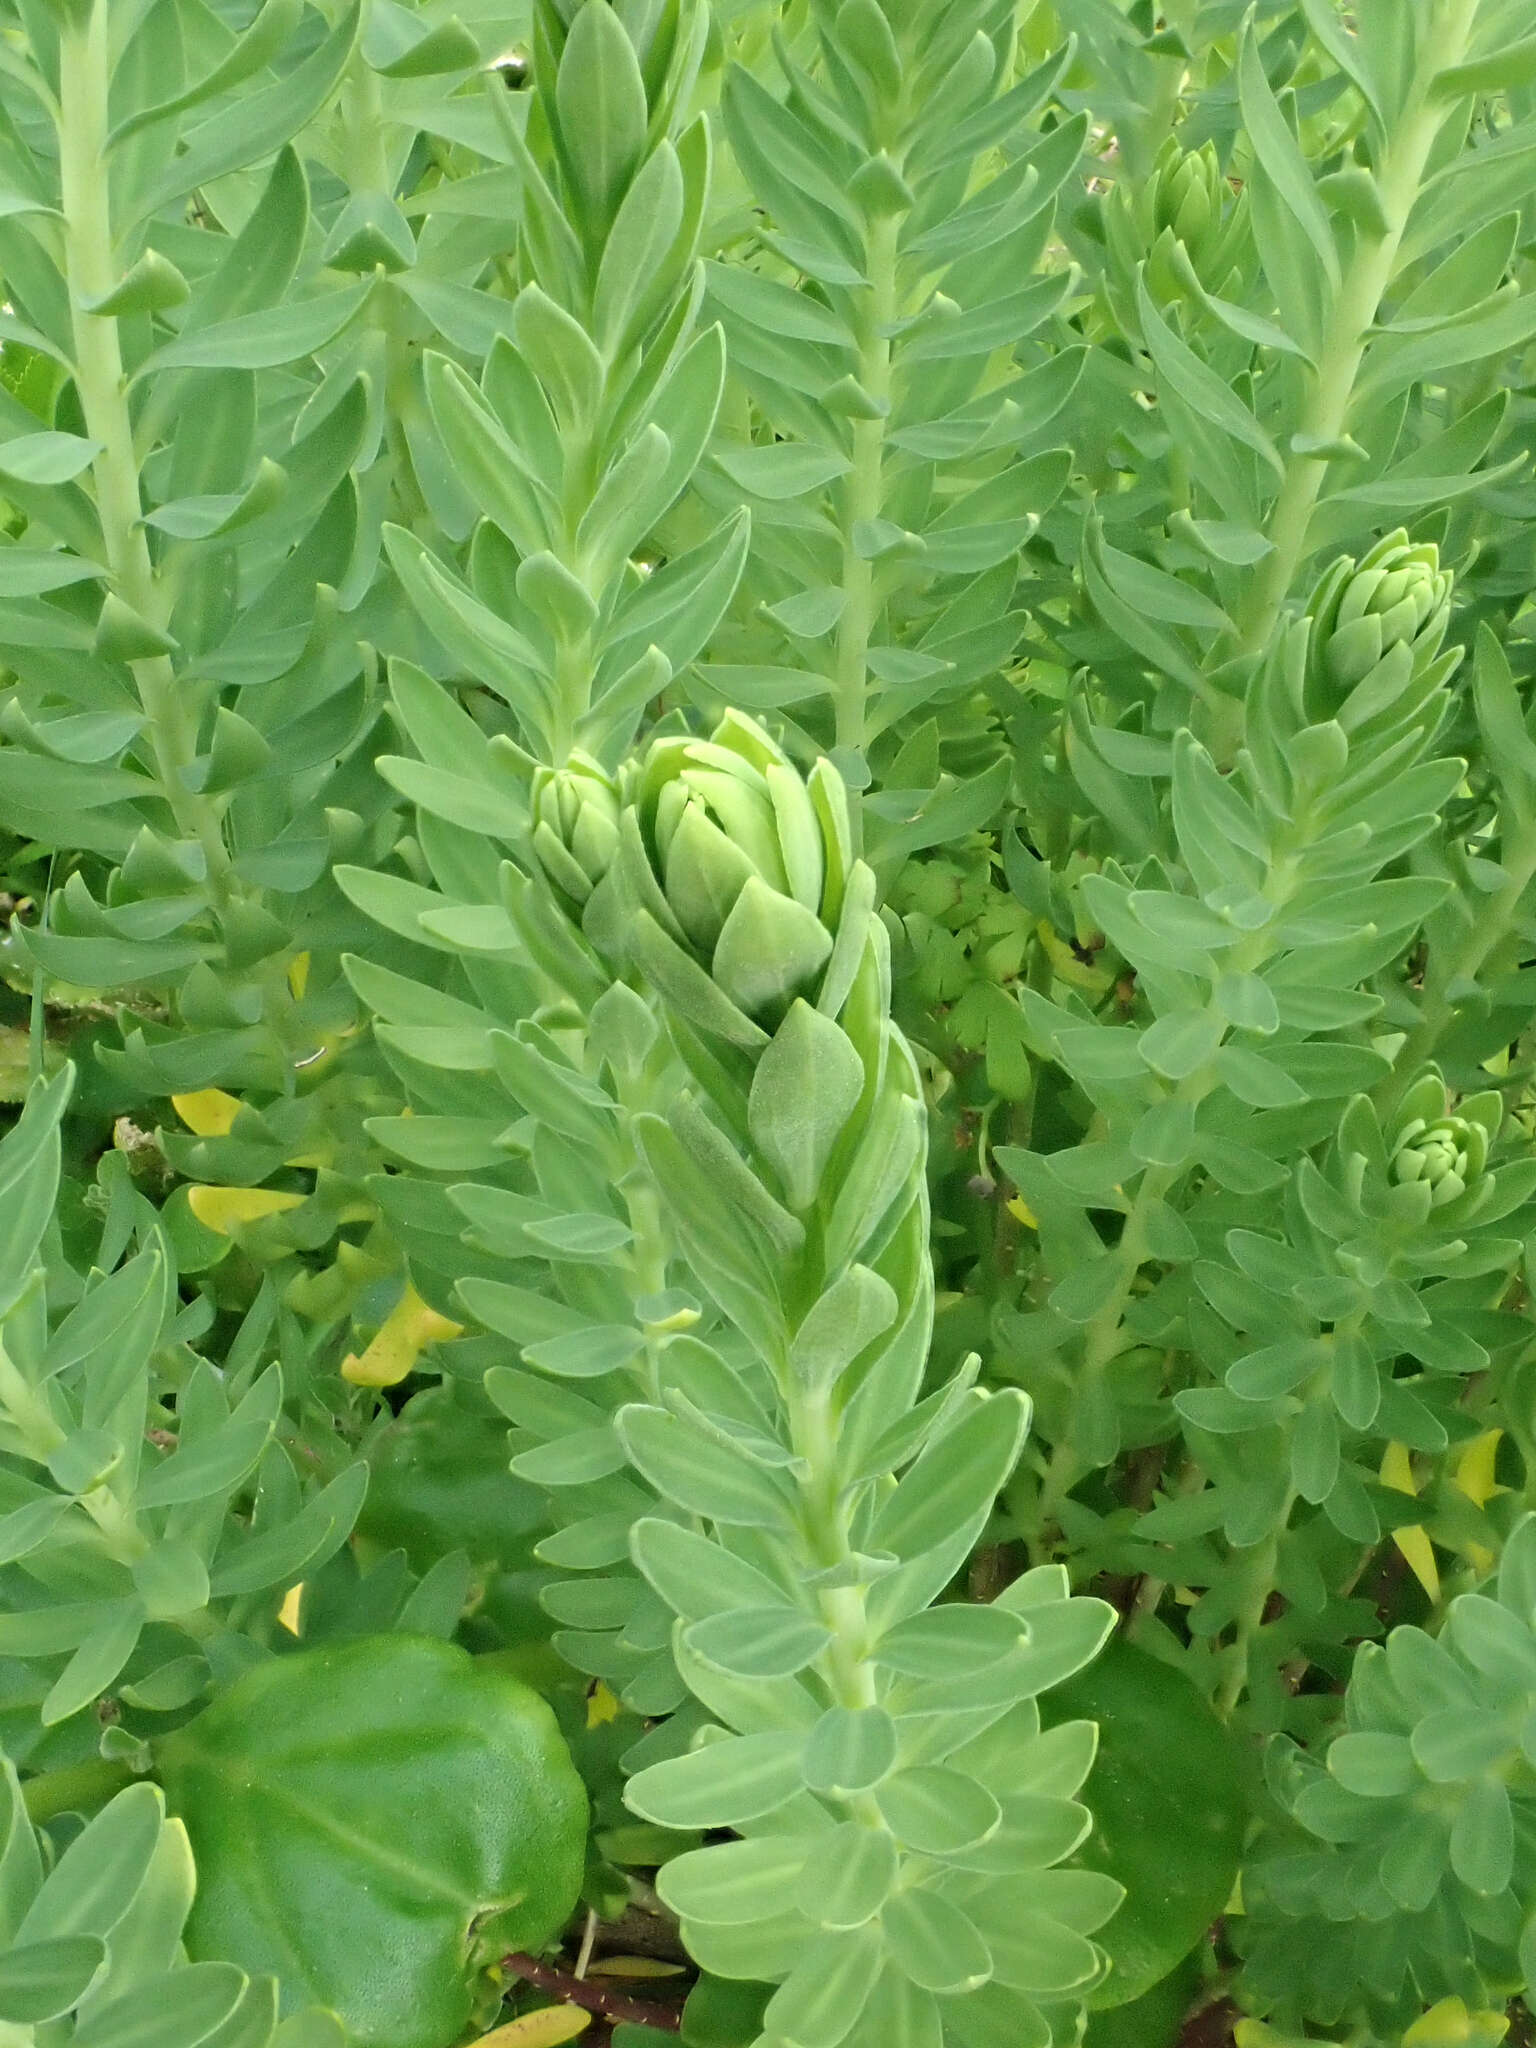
(588,1937)
(594,1997)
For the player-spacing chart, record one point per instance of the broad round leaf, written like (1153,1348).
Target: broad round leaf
(360,1811)
(1168,1806)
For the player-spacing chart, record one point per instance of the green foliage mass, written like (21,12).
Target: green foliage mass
(768,843)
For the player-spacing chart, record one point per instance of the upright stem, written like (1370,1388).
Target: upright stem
(863,492)
(849,1674)
(72,1788)
(1262,1560)
(1491,925)
(1355,308)
(91,270)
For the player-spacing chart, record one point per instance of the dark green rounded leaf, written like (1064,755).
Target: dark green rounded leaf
(1169,1811)
(360,1811)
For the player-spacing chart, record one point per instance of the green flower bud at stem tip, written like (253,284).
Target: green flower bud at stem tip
(741,862)
(575,812)
(1397,597)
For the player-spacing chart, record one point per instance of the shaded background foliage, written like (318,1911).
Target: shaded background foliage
(1101,436)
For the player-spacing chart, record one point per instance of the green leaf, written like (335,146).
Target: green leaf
(95,1881)
(807,1085)
(1501,71)
(46,458)
(701,1473)
(850,1750)
(40,1981)
(723,1784)
(265,39)
(187,2007)
(600,104)
(935,1811)
(1279,153)
(397,1799)
(759,1642)
(1170,1810)
(956,1479)
(262,340)
(260,125)
(734,1883)
(1208,397)
(1179,1044)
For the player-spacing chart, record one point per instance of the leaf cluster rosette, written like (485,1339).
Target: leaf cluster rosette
(1377,631)
(575,814)
(740,880)
(1183,217)
(91,1932)
(1416,1885)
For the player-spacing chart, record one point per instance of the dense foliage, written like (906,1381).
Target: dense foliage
(768,806)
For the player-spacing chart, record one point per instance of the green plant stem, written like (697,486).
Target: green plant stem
(848,1673)
(1105,1337)
(1263,1557)
(1356,304)
(90,270)
(73,1788)
(1104,1341)
(1489,927)
(864,488)
(650,1250)
(366,156)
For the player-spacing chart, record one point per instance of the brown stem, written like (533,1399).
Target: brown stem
(1211,2026)
(597,1998)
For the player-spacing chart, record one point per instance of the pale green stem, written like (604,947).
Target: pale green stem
(366,156)
(648,1264)
(1104,1340)
(1490,927)
(1355,308)
(864,487)
(90,270)
(1260,1573)
(73,1788)
(1105,1336)
(846,1667)
(1264,1556)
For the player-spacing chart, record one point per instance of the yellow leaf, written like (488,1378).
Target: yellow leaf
(1397,1469)
(602,1705)
(208,1112)
(546,2029)
(633,1967)
(1419,1554)
(298,975)
(1415,1546)
(404,1334)
(288,1613)
(223,1210)
(1474,1468)
(1235,1903)
(1020,1208)
(1474,1477)
(1450,2025)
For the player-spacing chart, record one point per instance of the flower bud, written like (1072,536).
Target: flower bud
(735,860)
(1186,193)
(1442,1150)
(1186,200)
(575,827)
(1397,597)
